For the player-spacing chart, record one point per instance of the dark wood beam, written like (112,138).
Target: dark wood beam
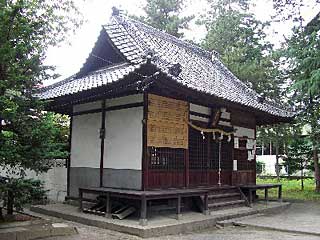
(108,109)
(69,157)
(102,137)
(145,156)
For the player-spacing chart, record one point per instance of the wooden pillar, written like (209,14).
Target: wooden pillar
(219,163)
(108,205)
(280,193)
(209,140)
(205,205)
(143,211)
(145,167)
(186,158)
(102,137)
(80,200)
(179,207)
(69,157)
(250,197)
(254,175)
(266,197)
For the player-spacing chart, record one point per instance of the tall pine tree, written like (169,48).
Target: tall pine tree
(301,51)
(166,15)
(239,38)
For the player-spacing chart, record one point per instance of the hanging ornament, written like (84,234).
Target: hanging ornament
(221,137)
(203,137)
(210,130)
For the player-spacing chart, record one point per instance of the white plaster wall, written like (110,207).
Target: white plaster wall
(199,109)
(224,123)
(87,106)
(123,143)
(206,110)
(85,142)
(244,132)
(136,98)
(225,115)
(197,118)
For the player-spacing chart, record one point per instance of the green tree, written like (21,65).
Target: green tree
(299,155)
(166,15)
(28,135)
(239,38)
(303,71)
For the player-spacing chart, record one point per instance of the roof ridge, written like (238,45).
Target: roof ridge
(124,19)
(120,22)
(165,36)
(182,43)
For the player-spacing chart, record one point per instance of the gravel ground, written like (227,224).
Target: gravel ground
(300,216)
(227,233)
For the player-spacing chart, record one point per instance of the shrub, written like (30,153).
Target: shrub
(16,192)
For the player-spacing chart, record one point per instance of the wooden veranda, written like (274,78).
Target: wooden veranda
(144,196)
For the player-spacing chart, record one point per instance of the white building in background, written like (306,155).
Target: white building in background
(265,155)
(269,165)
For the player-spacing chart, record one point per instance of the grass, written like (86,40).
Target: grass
(291,189)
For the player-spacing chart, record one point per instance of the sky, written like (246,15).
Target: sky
(69,57)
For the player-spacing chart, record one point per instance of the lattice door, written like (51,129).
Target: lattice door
(198,158)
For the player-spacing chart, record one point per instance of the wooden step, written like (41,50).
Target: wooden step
(229,204)
(224,195)
(223,191)
(165,208)
(224,198)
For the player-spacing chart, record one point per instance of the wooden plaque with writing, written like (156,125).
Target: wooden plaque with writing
(167,122)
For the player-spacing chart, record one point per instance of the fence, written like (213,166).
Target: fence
(284,177)
(55,180)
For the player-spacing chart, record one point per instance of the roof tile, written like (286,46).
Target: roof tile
(201,70)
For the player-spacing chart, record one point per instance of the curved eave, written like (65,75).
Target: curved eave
(262,117)
(127,84)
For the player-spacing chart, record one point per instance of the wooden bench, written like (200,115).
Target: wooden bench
(144,197)
(253,188)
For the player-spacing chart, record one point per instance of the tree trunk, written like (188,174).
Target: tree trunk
(301,176)
(286,151)
(1,214)
(277,163)
(316,167)
(10,203)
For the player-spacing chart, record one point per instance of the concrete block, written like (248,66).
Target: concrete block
(143,222)
(61,229)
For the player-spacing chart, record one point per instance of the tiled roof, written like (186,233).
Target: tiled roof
(200,70)
(94,79)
